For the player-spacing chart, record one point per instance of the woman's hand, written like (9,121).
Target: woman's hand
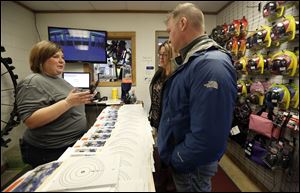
(75,98)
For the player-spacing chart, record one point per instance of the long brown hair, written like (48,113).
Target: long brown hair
(166,44)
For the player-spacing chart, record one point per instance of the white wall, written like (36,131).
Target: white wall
(144,25)
(210,23)
(18,34)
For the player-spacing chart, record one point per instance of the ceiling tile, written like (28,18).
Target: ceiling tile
(206,6)
(73,5)
(143,5)
(109,5)
(40,5)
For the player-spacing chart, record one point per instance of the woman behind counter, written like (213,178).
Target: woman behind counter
(50,107)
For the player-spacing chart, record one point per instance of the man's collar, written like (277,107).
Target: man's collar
(187,48)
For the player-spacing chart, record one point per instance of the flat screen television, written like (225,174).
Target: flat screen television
(80,45)
(80,80)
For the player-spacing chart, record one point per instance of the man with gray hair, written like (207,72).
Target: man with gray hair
(197,103)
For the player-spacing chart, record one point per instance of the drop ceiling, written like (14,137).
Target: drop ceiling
(208,7)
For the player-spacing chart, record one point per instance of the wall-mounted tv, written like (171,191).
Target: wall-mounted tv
(78,79)
(80,45)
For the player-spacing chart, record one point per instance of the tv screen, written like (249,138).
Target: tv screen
(80,45)
(78,79)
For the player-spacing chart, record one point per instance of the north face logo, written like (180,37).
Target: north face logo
(211,84)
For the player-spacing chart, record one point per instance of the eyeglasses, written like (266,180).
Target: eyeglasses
(163,55)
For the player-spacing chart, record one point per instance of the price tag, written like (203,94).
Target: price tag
(282,68)
(234,130)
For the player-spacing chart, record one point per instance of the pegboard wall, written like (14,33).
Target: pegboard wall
(272,180)
(250,9)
